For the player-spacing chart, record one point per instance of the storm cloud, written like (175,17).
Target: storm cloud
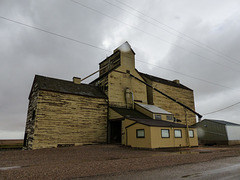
(196,42)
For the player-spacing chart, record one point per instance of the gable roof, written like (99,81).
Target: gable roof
(145,120)
(125,47)
(63,86)
(159,123)
(221,122)
(129,113)
(163,81)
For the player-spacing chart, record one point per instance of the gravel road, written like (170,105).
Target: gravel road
(97,160)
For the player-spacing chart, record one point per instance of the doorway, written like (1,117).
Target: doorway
(115,132)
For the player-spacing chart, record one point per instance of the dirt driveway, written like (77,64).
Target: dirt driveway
(93,160)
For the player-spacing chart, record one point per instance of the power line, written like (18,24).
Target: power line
(222,108)
(53,33)
(90,45)
(183,34)
(212,83)
(157,37)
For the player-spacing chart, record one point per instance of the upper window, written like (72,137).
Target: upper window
(158,117)
(178,133)
(165,133)
(191,133)
(33,115)
(169,117)
(140,133)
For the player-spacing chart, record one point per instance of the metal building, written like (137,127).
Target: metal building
(212,132)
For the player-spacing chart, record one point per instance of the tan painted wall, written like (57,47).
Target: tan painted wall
(159,142)
(153,137)
(69,119)
(194,140)
(131,138)
(182,95)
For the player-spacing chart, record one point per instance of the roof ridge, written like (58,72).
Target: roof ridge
(165,81)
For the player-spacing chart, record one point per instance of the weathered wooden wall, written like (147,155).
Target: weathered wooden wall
(30,123)
(65,119)
(182,95)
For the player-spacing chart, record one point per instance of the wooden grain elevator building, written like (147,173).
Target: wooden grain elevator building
(122,105)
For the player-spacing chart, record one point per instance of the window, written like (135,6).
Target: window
(191,133)
(33,115)
(169,117)
(140,133)
(158,117)
(178,133)
(165,133)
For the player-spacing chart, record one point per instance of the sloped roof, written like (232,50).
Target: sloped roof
(163,81)
(153,109)
(143,119)
(129,113)
(222,122)
(63,86)
(159,123)
(125,47)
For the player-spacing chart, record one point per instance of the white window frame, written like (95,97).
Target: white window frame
(191,135)
(176,133)
(169,116)
(140,133)
(158,117)
(163,133)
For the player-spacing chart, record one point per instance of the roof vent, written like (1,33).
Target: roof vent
(176,81)
(76,80)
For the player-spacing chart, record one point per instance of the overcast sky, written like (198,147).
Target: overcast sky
(195,41)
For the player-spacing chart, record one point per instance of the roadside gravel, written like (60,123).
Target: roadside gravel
(94,160)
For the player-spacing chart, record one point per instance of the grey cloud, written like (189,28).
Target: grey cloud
(26,52)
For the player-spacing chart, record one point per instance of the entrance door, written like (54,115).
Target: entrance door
(116,129)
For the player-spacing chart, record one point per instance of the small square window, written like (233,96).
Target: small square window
(165,133)
(140,133)
(178,133)
(191,133)
(158,117)
(169,117)
(33,115)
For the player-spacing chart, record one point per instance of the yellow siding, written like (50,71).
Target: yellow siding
(159,142)
(69,119)
(133,141)
(153,138)
(117,84)
(182,95)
